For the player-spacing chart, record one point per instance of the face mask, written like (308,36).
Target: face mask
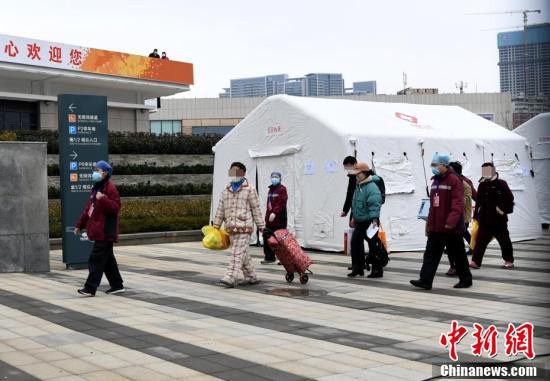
(275,180)
(436,171)
(96,177)
(235,179)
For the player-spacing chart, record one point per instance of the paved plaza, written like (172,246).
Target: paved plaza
(174,323)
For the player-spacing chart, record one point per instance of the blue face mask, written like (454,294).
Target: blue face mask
(436,171)
(275,180)
(96,177)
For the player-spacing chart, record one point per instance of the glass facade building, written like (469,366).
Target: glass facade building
(364,87)
(256,86)
(324,84)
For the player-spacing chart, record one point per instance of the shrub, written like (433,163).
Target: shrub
(145,169)
(147,189)
(139,216)
(7,136)
(134,143)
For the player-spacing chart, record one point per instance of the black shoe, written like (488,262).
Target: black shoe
(420,284)
(86,292)
(463,285)
(350,268)
(374,274)
(115,290)
(353,274)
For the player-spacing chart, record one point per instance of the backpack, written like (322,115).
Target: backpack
(382,187)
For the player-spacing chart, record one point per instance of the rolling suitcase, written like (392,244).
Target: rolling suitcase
(290,254)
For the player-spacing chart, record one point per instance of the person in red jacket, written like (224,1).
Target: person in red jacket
(101,220)
(275,214)
(494,202)
(445,226)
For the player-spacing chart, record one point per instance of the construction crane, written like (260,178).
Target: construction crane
(525,12)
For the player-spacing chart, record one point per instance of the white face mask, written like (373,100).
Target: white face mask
(235,179)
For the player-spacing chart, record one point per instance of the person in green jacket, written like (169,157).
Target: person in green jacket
(365,206)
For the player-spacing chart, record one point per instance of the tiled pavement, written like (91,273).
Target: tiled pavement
(175,324)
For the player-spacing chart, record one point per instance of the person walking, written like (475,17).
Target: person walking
(349,163)
(275,214)
(365,207)
(469,195)
(494,202)
(445,226)
(101,220)
(239,208)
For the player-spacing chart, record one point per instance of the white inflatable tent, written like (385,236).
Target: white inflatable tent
(307,138)
(537,133)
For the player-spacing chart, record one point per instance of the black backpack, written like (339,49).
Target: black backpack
(382,187)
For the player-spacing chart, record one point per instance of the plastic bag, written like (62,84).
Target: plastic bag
(475,229)
(383,238)
(215,239)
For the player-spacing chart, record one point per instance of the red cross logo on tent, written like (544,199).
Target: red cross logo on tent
(407,118)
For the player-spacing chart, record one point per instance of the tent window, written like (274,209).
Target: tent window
(510,171)
(397,174)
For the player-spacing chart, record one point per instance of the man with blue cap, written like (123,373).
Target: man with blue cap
(101,220)
(445,226)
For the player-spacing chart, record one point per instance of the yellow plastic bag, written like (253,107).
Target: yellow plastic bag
(475,229)
(226,242)
(215,239)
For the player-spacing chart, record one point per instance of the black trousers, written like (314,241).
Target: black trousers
(468,237)
(484,236)
(358,247)
(102,261)
(269,255)
(437,242)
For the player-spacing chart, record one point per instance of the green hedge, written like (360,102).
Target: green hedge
(134,143)
(145,169)
(138,216)
(147,189)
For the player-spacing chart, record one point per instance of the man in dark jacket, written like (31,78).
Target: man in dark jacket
(445,226)
(469,195)
(101,220)
(494,202)
(275,214)
(349,163)
(154,54)
(349,167)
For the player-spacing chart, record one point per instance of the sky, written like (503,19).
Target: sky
(436,43)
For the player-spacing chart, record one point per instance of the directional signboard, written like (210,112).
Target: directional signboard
(83,140)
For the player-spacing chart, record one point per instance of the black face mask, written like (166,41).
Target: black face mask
(369,173)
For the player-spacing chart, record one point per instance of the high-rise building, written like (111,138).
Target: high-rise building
(524,61)
(312,85)
(324,84)
(255,86)
(293,86)
(364,87)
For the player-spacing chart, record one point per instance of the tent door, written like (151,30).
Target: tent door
(284,164)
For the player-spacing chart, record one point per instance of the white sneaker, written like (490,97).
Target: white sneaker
(249,280)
